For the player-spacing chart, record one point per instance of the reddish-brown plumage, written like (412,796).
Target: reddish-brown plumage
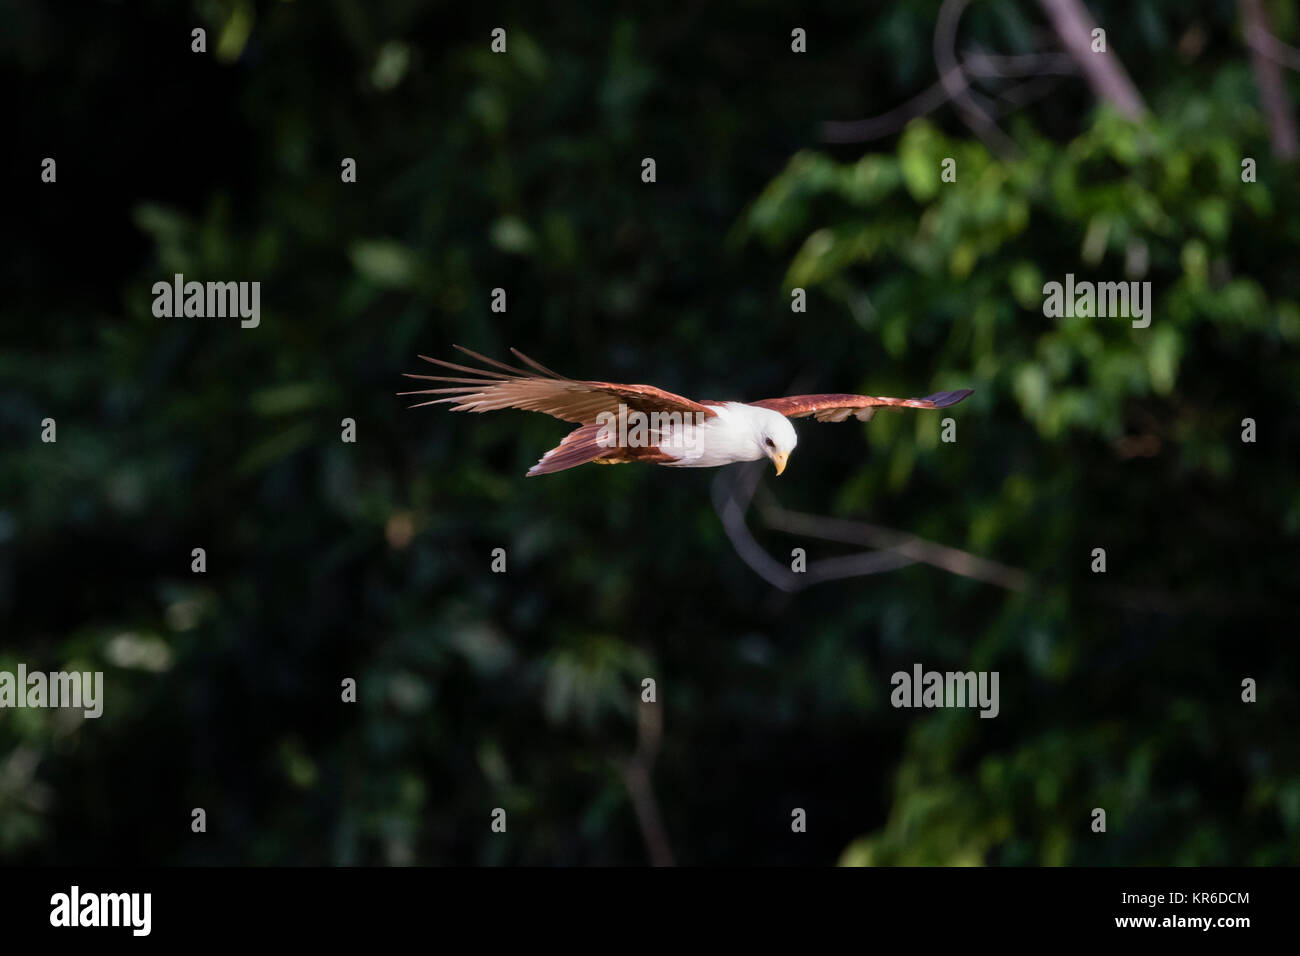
(582,445)
(568,399)
(539,389)
(837,406)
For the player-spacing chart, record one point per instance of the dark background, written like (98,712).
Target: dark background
(371,560)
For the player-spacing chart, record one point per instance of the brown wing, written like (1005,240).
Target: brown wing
(584,444)
(542,390)
(838,407)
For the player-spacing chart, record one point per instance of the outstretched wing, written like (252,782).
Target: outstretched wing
(541,390)
(837,407)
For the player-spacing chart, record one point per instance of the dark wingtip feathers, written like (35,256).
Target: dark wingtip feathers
(944,399)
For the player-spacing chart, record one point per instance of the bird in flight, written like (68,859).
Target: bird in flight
(628,423)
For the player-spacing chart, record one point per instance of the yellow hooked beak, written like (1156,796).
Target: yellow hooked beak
(779,458)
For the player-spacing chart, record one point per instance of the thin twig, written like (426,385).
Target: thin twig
(1037,66)
(1022,94)
(979,63)
(1272,84)
(1104,71)
(953,77)
(861,131)
(950,559)
(636,774)
(1259,38)
(735,489)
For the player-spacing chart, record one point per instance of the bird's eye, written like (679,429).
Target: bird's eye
(770,443)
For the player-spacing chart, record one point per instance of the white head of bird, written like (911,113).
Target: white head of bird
(779,439)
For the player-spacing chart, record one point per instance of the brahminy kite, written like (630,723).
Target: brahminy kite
(627,423)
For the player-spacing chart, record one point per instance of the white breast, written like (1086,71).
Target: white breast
(734,434)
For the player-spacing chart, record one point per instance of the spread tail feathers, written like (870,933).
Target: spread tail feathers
(577,448)
(584,444)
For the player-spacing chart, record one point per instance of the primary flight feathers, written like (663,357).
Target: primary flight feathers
(625,423)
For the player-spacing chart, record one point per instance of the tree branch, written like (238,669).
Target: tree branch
(860,131)
(1104,71)
(636,774)
(1038,66)
(735,489)
(954,80)
(1266,43)
(1268,77)
(901,543)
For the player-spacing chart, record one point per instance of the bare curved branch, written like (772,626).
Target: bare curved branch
(860,131)
(955,83)
(917,549)
(1043,70)
(1268,77)
(735,489)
